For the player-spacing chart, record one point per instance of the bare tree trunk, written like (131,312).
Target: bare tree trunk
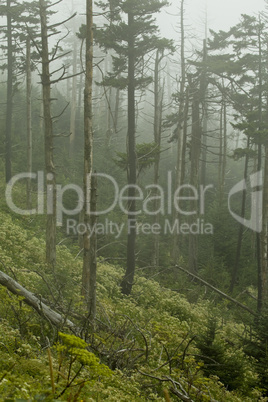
(203,90)
(195,157)
(218,291)
(220,152)
(79,105)
(41,121)
(29,120)
(50,169)
(9,107)
(259,245)
(180,128)
(264,237)
(158,106)
(29,298)
(241,228)
(128,279)
(224,156)
(116,110)
(88,148)
(261,238)
(74,101)
(185,132)
(93,253)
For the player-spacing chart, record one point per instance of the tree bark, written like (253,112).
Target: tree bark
(29,120)
(264,237)
(88,147)
(195,157)
(49,146)
(261,238)
(241,228)
(180,129)
(74,101)
(205,116)
(93,253)
(9,107)
(158,106)
(29,298)
(128,279)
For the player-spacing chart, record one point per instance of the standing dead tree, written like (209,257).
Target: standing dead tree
(89,259)
(47,82)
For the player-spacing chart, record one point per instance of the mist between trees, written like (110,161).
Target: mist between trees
(151,107)
(101,93)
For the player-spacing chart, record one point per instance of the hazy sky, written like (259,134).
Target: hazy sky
(221,13)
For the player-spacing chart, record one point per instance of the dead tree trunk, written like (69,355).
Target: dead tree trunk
(74,101)
(241,227)
(93,253)
(50,169)
(261,238)
(29,120)
(128,279)
(203,90)
(217,291)
(158,106)
(9,107)
(88,148)
(116,110)
(185,132)
(264,237)
(195,157)
(180,128)
(29,298)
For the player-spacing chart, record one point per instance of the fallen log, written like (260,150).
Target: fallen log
(41,308)
(217,291)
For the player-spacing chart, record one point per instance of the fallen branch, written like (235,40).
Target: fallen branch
(41,308)
(180,393)
(218,291)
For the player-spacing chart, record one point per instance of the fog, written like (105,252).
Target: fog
(221,15)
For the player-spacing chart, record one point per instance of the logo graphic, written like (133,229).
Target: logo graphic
(255,221)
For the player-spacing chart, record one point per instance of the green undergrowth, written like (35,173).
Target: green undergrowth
(150,343)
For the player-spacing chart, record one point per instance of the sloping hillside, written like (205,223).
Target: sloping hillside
(154,345)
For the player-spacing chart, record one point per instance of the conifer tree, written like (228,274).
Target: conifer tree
(132,34)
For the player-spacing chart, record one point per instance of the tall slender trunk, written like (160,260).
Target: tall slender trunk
(49,163)
(128,279)
(264,237)
(93,253)
(109,130)
(9,107)
(224,156)
(261,242)
(241,228)
(116,110)
(80,88)
(29,120)
(259,246)
(89,269)
(222,150)
(203,90)
(195,157)
(74,101)
(158,105)
(185,132)
(180,129)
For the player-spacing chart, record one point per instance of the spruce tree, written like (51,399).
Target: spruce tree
(132,34)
